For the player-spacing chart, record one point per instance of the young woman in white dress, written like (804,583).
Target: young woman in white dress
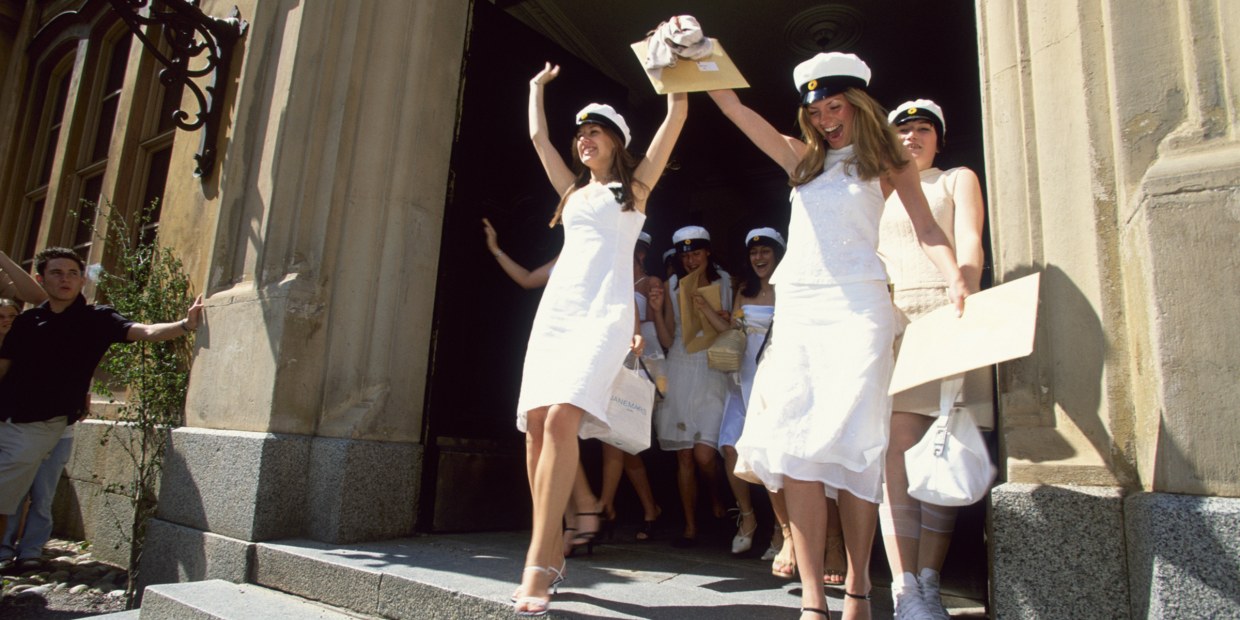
(916,535)
(818,417)
(585,324)
(688,420)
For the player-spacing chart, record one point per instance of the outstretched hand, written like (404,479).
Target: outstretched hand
(492,236)
(549,72)
(193,317)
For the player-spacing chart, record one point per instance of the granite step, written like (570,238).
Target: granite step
(221,600)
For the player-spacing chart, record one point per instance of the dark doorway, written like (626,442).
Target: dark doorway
(474,470)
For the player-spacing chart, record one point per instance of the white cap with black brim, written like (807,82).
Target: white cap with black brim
(605,115)
(829,74)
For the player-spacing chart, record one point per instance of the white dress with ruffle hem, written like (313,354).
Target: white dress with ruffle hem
(584,325)
(819,409)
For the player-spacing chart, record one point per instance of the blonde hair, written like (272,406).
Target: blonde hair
(623,165)
(876,147)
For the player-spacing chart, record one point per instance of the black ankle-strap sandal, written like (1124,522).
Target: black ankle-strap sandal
(861,597)
(815,610)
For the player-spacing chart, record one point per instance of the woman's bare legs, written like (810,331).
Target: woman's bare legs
(835,567)
(707,459)
(551,440)
(613,467)
(859,519)
(686,483)
(807,512)
(635,469)
(740,490)
(785,562)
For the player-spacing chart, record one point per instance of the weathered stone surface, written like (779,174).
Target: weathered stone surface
(1184,555)
(248,486)
(362,490)
(176,553)
(1058,552)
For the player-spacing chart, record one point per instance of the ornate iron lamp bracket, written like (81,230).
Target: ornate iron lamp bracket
(193,37)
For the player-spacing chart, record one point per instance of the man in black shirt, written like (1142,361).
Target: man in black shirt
(47,362)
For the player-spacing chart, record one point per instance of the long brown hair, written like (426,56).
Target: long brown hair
(876,146)
(623,165)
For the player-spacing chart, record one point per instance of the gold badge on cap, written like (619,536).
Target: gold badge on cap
(813,85)
(911,111)
(756,237)
(583,116)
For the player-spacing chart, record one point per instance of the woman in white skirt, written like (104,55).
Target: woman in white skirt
(916,535)
(818,417)
(585,324)
(688,419)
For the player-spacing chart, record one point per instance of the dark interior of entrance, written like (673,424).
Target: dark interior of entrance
(475,471)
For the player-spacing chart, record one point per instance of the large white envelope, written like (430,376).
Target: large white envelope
(717,72)
(998,325)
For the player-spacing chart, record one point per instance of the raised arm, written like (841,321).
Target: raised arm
(524,278)
(12,276)
(557,171)
(159,332)
(970,215)
(785,150)
(906,182)
(650,169)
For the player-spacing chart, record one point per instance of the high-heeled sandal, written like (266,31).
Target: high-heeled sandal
(585,537)
(554,586)
(544,604)
(831,575)
(646,529)
(785,568)
(743,541)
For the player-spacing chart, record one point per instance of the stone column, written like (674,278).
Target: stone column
(1112,169)
(306,395)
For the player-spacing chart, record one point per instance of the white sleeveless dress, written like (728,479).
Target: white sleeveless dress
(757,323)
(819,409)
(920,289)
(584,325)
(692,410)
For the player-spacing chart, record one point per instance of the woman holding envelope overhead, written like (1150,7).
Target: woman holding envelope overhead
(818,416)
(916,535)
(688,419)
(585,324)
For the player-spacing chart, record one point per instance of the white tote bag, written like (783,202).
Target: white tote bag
(950,466)
(629,413)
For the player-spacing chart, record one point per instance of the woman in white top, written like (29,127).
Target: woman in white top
(916,535)
(688,419)
(586,323)
(818,416)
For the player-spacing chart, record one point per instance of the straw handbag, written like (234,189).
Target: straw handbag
(726,352)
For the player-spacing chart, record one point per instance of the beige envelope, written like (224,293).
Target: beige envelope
(998,325)
(690,76)
(697,332)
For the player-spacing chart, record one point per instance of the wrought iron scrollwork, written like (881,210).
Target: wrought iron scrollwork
(200,47)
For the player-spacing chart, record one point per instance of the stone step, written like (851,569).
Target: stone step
(222,600)
(471,576)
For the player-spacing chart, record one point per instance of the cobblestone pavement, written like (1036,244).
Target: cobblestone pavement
(70,583)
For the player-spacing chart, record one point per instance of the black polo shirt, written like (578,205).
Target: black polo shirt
(52,358)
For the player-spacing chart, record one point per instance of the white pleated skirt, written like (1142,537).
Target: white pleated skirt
(819,410)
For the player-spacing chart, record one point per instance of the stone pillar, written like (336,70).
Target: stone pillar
(305,402)
(1112,165)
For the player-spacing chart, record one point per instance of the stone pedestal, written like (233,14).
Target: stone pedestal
(1183,555)
(1058,552)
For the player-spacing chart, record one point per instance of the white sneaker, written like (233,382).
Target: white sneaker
(930,595)
(770,553)
(910,605)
